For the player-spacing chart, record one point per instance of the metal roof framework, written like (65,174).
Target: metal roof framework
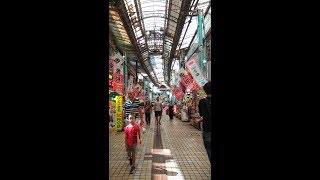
(153,31)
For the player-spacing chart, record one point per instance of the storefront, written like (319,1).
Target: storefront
(195,118)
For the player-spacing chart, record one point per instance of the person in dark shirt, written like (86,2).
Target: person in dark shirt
(208,113)
(171,111)
(147,112)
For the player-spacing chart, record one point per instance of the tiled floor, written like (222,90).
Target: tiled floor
(179,154)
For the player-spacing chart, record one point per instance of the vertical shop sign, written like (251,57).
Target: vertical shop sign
(118,113)
(118,60)
(118,80)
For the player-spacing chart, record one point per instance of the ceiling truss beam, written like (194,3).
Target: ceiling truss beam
(127,25)
(181,19)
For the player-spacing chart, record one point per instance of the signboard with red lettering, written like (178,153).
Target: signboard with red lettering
(118,83)
(196,73)
(177,90)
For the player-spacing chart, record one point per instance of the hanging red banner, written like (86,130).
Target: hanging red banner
(187,82)
(177,91)
(179,97)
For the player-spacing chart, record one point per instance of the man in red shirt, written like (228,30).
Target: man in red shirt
(132,132)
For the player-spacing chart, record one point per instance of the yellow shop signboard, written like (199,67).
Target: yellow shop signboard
(119,113)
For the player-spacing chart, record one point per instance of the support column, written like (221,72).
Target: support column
(125,64)
(136,71)
(205,70)
(200,39)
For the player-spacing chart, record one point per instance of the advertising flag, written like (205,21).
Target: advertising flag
(196,73)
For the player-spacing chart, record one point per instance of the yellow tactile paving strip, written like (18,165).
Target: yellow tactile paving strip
(183,151)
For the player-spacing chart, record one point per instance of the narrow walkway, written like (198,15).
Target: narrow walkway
(158,156)
(172,150)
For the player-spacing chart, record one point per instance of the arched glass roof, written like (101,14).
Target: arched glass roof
(153,31)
